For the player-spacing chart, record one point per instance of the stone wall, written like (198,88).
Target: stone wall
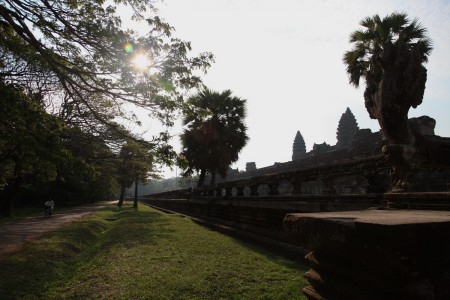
(375,254)
(261,215)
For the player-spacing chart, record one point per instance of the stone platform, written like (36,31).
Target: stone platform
(375,254)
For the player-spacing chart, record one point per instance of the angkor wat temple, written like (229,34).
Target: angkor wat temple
(372,216)
(352,144)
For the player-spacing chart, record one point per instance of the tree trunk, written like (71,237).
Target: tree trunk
(122,194)
(395,127)
(201,178)
(135,203)
(212,184)
(393,88)
(386,105)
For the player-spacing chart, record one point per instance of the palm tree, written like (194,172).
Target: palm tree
(215,133)
(389,54)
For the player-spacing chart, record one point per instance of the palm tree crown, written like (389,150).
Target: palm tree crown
(389,54)
(377,37)
(215,131)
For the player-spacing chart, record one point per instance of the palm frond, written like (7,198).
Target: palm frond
(413,32)
(369,42)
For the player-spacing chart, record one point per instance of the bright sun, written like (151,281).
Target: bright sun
(141,61)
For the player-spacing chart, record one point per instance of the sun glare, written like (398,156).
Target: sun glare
(141,62)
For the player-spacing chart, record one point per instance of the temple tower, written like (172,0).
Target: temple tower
(250,166)
(346,129)
(298,148)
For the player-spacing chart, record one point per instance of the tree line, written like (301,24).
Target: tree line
(68,84)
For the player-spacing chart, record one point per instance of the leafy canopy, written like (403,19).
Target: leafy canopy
(71,76)
(215,131)
(369,43)
(78,56)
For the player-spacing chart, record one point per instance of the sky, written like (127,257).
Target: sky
(285,58)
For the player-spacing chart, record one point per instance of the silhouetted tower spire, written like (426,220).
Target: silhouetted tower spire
(250,166)
(299,148)
(346,130)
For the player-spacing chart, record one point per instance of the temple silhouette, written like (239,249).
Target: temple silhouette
(372,217)
(352,144)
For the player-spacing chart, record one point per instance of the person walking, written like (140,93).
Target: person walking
(49,205)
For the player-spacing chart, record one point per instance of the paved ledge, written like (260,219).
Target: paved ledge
(376,217)
(375,254)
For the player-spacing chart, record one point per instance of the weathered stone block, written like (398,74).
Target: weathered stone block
(375,254)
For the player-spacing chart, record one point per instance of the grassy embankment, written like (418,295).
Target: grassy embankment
(146,254)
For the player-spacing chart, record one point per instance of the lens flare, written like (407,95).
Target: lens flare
(128,47)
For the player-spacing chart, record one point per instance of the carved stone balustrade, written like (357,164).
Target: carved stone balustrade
(326,174)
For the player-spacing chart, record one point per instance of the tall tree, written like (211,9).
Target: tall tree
(78,55)
(42,157)
(29,144)
(77,61)
(215,132)
(389,54)
(88,171)
(136,167)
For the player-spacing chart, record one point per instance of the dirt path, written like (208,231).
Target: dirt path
(14,234)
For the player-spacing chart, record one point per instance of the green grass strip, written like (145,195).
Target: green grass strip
(146,254)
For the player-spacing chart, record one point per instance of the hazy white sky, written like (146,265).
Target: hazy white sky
(285,58)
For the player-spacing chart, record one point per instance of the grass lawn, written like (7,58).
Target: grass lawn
(146,254)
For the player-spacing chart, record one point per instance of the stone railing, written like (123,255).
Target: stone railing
(374,170)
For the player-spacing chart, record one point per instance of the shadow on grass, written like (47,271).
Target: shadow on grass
(277,254)
(272,252)
(58,257)
(148,254)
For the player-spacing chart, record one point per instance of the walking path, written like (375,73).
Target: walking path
(14,234)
